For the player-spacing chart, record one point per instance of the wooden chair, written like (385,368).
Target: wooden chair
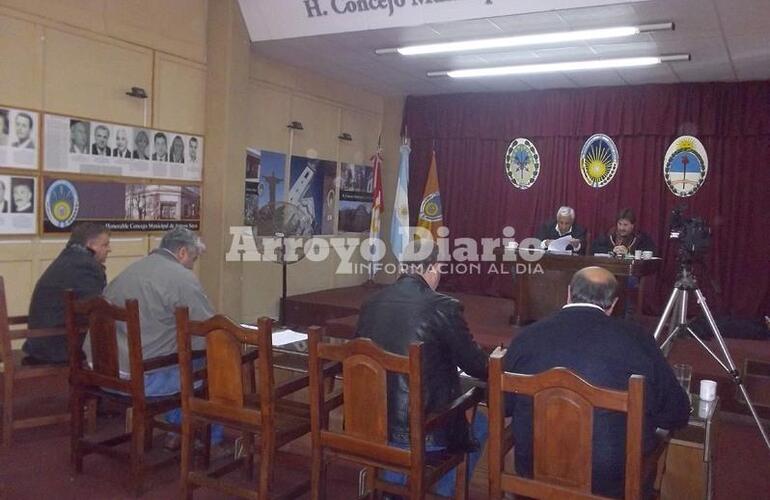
(267,419)
(14,370)
(364,439)
(563,409)
(102,379)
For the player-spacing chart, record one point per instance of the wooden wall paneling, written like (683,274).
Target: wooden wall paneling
(174,26)
(86,14)
(321,124)
(90,77)
(364,127)
(21,63)
(179,95)
(269,113)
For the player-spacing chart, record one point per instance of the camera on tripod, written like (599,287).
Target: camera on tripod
(693,234)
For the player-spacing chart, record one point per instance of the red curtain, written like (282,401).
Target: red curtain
(470,134)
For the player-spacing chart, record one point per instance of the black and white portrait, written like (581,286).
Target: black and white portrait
(24,130)
(22,195)
(141,144)
(80,131)
(101,144)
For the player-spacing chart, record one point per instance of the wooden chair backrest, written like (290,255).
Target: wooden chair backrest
(563,419)
(6,349)
(102,318)
(365,371)
(225,395)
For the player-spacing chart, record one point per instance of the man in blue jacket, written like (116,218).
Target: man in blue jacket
(605,351)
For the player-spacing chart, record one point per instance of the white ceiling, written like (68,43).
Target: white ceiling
(729,40)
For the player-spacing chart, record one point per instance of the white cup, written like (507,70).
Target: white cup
(708,390)
(637,254)
(647,254)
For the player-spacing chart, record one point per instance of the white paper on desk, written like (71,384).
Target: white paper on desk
(560,244)
(287,336)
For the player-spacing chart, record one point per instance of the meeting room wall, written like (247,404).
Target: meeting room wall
(79,57)
(278,95)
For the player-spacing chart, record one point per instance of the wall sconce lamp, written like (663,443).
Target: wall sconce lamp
(137,92)
(295,125)
(345,137)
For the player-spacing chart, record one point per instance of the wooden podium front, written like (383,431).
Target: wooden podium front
(540,280)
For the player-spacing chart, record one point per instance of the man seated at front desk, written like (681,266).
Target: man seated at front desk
(605,351)
(623,239)
(410,310)
(563,225)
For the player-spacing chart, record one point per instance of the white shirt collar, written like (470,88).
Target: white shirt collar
(582,304)
(565,232)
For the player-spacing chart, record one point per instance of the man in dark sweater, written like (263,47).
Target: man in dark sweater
(80,267)
(605,351)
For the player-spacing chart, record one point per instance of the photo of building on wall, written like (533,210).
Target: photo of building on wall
(153,202)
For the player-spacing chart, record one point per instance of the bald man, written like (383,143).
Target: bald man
(605,351)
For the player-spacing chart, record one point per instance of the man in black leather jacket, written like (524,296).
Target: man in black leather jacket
(411,310)
(80,266)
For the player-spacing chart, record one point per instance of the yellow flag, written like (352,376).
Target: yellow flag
(431,217)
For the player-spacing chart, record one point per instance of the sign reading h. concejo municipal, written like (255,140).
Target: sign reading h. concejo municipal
(277,19)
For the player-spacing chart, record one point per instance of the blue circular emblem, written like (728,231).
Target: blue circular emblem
(61,203)
(430,209)
(599,160)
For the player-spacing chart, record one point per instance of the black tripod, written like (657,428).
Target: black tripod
(684,286)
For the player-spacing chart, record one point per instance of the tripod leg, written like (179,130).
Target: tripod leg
(729,362)
(666,313)
(713,354)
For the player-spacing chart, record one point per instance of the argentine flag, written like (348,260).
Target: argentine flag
(399,227)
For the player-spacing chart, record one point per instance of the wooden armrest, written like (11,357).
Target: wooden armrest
(18,320)
(167,360)
(285,388)
(332,369)
(28,333)
(333,403)
(160,362)
(468,400)
(249,356)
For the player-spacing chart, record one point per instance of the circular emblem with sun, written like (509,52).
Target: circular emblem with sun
(61,203)
(599,160)
(430,209)
(522,163)
(685,166)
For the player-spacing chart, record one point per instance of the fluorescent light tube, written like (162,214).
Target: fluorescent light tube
(528,69)
(524,40)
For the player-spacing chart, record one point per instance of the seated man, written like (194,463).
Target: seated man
(563,225)
(623,238)
(161,282)
(605,351)
(411,310)
(80,267)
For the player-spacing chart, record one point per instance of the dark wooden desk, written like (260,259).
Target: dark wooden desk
(540,279)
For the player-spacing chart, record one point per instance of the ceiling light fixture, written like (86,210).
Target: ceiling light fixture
(528,69)
(524,40)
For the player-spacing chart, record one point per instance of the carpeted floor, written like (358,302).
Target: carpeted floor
(36,466)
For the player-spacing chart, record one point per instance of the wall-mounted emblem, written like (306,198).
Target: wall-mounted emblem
(685,166)
(599,160)
(61,203)
(522,163)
